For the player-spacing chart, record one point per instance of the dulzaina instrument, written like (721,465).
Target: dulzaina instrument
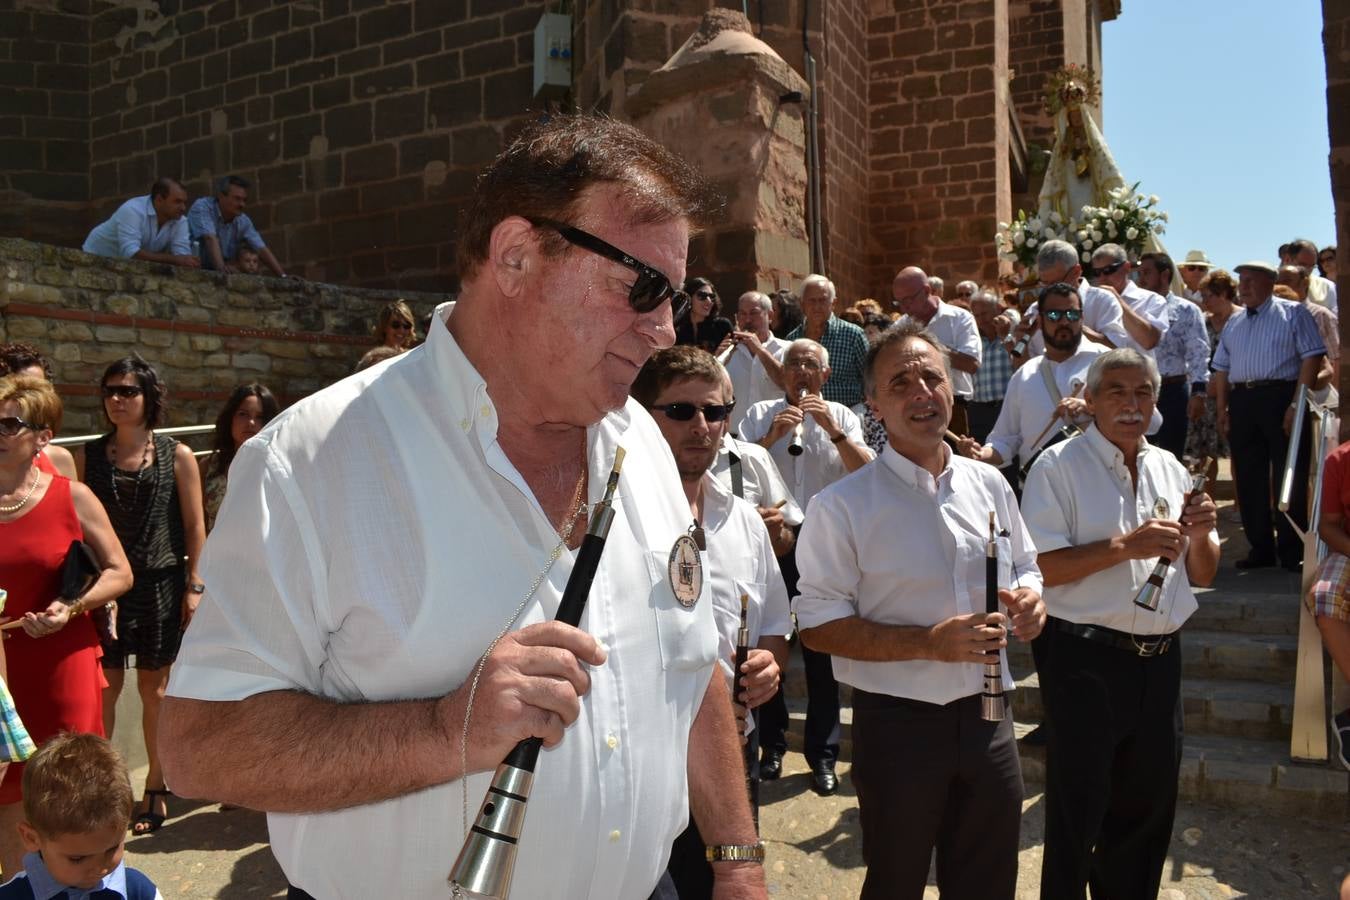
(991,698)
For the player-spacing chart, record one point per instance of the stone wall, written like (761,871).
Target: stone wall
(204,332)
(1336,42)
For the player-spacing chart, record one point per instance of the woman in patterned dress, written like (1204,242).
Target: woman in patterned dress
(250,407)
(1218,298)
(152,491)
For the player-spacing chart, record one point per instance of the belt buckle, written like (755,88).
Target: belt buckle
(1147,649)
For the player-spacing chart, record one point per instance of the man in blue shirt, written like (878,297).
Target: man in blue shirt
(222,228)
(151,228)
(844,341)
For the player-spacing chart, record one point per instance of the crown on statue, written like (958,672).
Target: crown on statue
(1069,87)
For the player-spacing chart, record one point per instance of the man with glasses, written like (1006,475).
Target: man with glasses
(756,365)
(1057,263)
(843,341)
(952,325)
(378,629)
(1321,291)
(1193,270)
(1143,313)
(965,293)
(684,388)
(815,442)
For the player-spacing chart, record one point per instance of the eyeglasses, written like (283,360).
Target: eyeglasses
(651,288)
(12,425)
(1054,315)
(401,326)
(1108,270)
(125,391)
(809,365)
(683,412)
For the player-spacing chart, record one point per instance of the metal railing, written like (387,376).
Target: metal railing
(176,431)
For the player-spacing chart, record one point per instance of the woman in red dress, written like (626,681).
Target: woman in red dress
(53,660)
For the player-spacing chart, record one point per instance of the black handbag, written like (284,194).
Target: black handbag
(78,574)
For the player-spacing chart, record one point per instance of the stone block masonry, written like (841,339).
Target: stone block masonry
(205,332)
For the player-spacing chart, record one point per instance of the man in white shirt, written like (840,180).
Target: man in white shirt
(683,389)
(829,443)
(893,586)
(1057,263)
(756,365)
(1102,509)
(1144,313)
(382,582)
(954,326)
(151,228)
(1321,291)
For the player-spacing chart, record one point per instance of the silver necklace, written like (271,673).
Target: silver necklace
(37,476)
(140,474)
(579,507)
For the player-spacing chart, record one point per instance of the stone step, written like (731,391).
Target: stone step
(1245,612)
(1239,773)
(1250,709)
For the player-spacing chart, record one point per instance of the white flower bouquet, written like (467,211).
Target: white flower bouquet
(1127,219)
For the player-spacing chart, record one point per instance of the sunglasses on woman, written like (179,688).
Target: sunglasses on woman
(683,412)
(651,288)
(12,425)
(401,326)
(125,391)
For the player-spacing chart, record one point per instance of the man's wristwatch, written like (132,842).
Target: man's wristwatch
(736,852)
(197,587)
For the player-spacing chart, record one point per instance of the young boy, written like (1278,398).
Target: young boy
(246,261)
(77,804)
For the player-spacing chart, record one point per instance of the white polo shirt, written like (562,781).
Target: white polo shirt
(894,545)
(820,463)
(750,382)
(374,540)
(957,330)
(761,482)
(1079,492)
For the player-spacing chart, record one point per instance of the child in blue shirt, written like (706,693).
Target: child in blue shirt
(77,804)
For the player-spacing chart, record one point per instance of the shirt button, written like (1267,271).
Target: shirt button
(612,741)
(614,836)
(485,410)
(464,423)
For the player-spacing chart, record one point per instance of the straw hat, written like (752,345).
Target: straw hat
(1196,258)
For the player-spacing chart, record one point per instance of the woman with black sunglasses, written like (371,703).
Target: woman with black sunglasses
(51,660)
(151,488)
(702,327)
(395,326)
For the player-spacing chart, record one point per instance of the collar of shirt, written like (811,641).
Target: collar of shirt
(45,887)
(148,209)
(915,475)
(1112,456)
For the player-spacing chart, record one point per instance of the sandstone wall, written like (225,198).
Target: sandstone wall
(1336,42)
(204,332)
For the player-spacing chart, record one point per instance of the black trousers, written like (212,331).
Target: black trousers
(931,776)
(1258,443)
(822,696)
(1113,723)
(1172,402)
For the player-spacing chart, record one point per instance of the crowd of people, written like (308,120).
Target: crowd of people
(369,630)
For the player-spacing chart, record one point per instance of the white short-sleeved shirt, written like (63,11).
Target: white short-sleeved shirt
(761,481)
(1027,405)
(136,227)
(1151,307)
(740,561)
(749,381)
(959,333)
(820,463)
(1079,492)
(374,540)
(894,545)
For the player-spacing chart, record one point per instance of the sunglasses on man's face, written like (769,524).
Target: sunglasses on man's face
(125,391)
(1108,270)
(12,425)
(683,412)
(651,288)
(1056,315)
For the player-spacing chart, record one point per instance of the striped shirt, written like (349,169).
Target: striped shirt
(1269,345)
(847,346)
(991,379)
(1184,349)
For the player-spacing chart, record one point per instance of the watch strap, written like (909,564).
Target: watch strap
(735,852)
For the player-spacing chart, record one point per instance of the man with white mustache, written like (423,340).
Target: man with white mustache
(1102,509)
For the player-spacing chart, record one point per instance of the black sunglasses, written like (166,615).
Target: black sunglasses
(651,288)
(401,326)
(12,425)
(1054,315)
(683,412)
(125,391)
(1108,270)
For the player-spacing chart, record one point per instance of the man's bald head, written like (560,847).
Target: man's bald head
(912,294)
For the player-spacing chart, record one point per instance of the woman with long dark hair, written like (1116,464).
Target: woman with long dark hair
(152,491)
(250,407)
(703,326)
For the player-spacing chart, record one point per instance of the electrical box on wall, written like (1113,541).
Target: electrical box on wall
(552,56)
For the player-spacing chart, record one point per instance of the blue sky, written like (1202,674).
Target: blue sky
(1219,108)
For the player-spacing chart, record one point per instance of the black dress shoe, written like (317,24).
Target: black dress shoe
(770,766)
(1253,562)
(824,781)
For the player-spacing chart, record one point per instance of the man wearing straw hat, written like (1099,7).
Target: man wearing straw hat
(1193,269)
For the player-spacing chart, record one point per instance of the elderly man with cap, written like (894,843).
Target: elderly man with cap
(1193,269)
(1262,357)
(755,363)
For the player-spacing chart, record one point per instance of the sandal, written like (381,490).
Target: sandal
(150,821)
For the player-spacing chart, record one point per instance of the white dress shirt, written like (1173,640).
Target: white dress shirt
(135,227)
(894,545)
(959,333)
(1151,307)
(761,482)
(739,561)
(1323,291)
(750,382)
(1101,313)
(1027,405)
(1079,492)
(820,463)
(374,540)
